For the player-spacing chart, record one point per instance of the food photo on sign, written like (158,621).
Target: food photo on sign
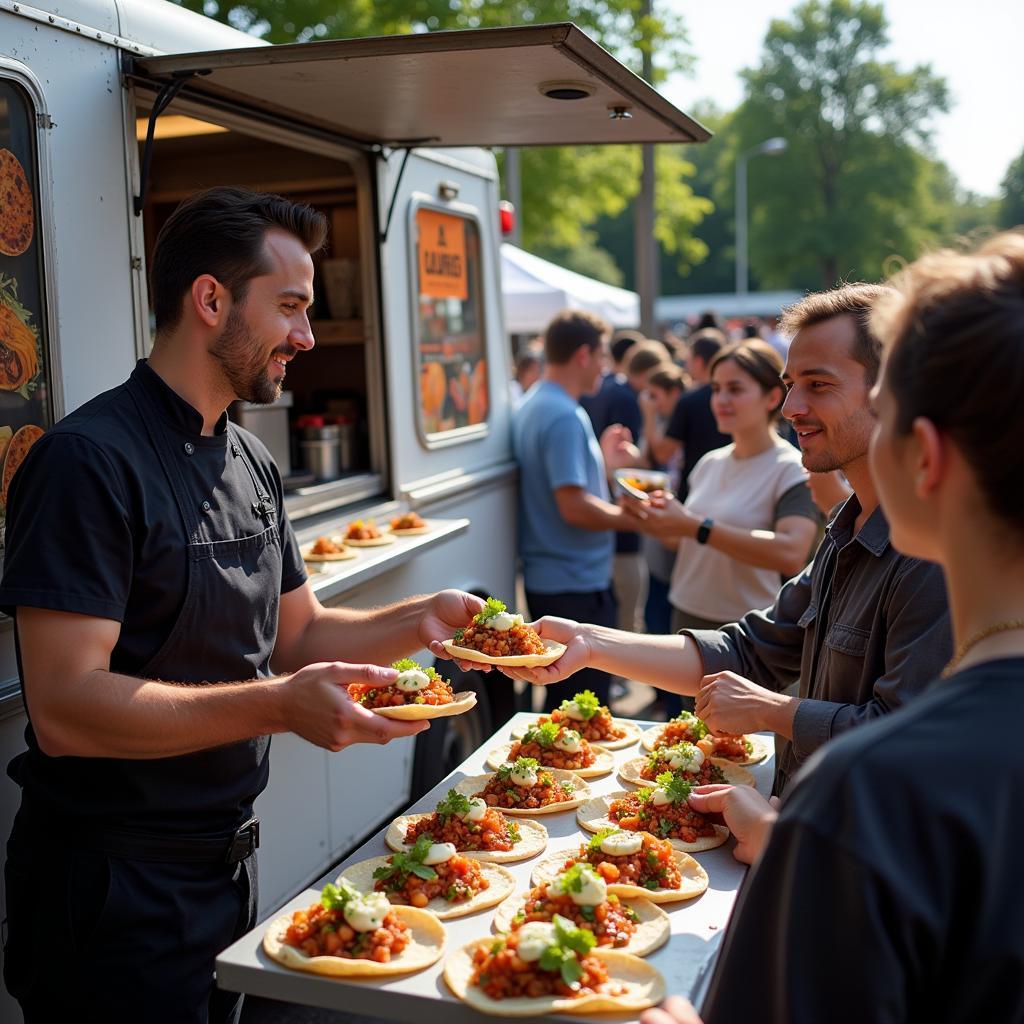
(24,402)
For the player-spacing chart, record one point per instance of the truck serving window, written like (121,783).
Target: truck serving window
(449,340)
(26,407)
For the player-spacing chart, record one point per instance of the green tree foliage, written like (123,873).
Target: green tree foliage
(1011,202)
(853,188)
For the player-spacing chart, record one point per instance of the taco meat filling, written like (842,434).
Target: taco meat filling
(685,730)
(457,879)
(501,643)
(407,521)
(612,923)
(552,757)
(502,974)
(492,832)
(504,793)
(438,692)
(653,866)
(637,812)
(708,773)
(321,932)
(597,729)
(326,546)
(360,530)
(730,746)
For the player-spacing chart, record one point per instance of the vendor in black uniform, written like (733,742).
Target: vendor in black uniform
(165,629)
(889,889)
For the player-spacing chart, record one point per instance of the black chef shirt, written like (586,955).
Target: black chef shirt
(93,528)
(693,424)
(890,890)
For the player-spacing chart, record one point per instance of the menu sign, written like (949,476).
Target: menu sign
(450,343)
(25,410)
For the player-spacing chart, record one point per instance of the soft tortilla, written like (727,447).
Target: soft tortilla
(734,774)
(463,702)
(632,734)
(694,880)
(553,653)
(425,948)
(593,816)
(414,531)
(502,885)
(762,747)
(652,929)
(475,783)
(604,761)
(338,556)
(374,542)
(533,839)
(645,987)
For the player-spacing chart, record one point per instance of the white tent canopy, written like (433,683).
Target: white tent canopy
(535,290)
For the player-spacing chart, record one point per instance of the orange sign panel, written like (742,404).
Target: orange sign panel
(442,255)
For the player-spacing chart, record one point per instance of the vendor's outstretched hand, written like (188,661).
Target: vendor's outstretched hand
(576,656)
(675,1010)
(448,611)
(749,816)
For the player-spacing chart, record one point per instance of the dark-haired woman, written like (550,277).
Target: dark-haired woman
(749,515)
(889,888)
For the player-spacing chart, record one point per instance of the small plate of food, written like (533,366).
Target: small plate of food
(687,761)
(633,864)
(550,967)
(471,827)
(664,811)
(580,894)
(353,934)
(555,746)
(592,720)
(363,533)
(408,524)
(497,637)
(435,877)
(524,788)
(415,694)
(641,483)
(327,549)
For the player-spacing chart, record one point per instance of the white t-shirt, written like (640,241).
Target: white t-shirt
(737,492)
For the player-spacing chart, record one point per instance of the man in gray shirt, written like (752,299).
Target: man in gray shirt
(862,629)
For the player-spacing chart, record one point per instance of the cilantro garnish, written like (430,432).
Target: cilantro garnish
(453,804)
(491,608)
(406,665)
(513,832)
(678,788)
(571,880)
(543,735)
(335,897)
(563,954)
(588,703)
(457,636)
(401,865)
(595,843)
(522,764)
(698,730)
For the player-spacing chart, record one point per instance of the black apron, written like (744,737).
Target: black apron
(159,882)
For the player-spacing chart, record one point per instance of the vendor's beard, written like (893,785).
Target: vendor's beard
(243,361)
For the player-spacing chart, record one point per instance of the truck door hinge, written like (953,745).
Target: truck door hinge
(44,121)
(136,263)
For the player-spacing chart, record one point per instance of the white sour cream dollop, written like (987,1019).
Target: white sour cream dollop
(594,889)
(570,742)
(366,914)
(411,680)
(534,938)
(477,809)
(622,844)
(504,621)
(524,777)
(439,853)
(660,798)
(689,758)
(572,710)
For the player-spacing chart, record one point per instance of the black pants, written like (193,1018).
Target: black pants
(92,937)
(598,607)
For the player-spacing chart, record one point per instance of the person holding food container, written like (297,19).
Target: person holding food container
(146,637)
(887,887)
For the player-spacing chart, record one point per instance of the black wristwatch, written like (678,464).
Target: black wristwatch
(704,531)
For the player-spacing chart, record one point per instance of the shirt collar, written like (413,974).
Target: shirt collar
(873,535)
(175,409)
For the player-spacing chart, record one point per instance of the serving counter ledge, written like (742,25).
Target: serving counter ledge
(685,961)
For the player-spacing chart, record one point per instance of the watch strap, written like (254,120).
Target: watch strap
(704,531)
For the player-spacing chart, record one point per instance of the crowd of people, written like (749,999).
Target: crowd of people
(882,889)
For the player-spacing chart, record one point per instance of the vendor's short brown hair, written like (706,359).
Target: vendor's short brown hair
(569,330)
(953,329)
(852,300)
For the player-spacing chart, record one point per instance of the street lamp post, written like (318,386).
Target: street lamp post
(770,147)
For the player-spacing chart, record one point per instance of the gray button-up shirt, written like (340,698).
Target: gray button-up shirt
(863,628)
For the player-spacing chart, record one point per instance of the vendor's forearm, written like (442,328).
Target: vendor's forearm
(670,662)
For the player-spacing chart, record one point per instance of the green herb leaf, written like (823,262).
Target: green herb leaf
(698,729)
(457,635)
(588,703)
(676,786)
(595,843)
(406,665)
(491,608)
(513,832)
(453,804)
(401,865)
(521,764)
(544,735)
(580,940)
(336,896)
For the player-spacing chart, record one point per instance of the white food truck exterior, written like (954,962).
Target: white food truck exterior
(379,134)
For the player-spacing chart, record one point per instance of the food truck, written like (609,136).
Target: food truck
(112,111)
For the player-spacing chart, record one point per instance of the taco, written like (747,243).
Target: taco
(363,533)
(739,749)
(417,693)
(351,934)
(408,524)
(472,827)
(326,549)
(433,876)
(497,637)
(21,442)
(687,761)
(555,746)
(17,206)
(592,720)
(525,788)
(686,727)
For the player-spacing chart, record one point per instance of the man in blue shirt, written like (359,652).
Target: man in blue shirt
(565,516)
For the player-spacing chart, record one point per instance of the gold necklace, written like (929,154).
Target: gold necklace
(983,634)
